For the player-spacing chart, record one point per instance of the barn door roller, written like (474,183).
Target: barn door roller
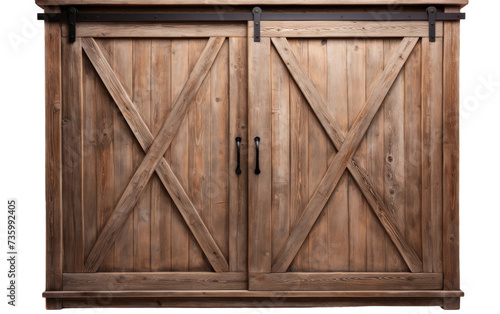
(72,17)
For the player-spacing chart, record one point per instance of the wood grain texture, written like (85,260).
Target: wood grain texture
(153,157)
(161,30)
(124,281)
(123,154)
(332,295)
(259,125)
(238,184)
(432,155)
(266,302)
(247,2)
(337,138)
(298,281)
(53,161)
(451,150)
(72,157)
(364,29)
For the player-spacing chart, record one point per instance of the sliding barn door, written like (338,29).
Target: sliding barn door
(151,198)
(348,196)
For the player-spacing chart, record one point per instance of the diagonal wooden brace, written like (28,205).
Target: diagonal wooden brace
(346,149)
(155,149)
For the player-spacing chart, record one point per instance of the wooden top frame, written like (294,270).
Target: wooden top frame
(461,3)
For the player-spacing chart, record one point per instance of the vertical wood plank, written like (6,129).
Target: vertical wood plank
(299,156)
(432,155)
(90,137)
(123,152)
(338,205)
(141,63)
(72,156)
(376,235)
(259,123)
(219,137)
(238,185)
(280,152)
(53,160)
(104,156)
(161,203)
(451,117)
(394,156)
(357,203)
(199,154)
(413,149)
(179,156)
(319,147)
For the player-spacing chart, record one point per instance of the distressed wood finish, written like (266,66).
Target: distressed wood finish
(53,161)
(247,2)
(356,202)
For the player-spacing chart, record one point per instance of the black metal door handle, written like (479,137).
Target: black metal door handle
(238,144)
(257,142)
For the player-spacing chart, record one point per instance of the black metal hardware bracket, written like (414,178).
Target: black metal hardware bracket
(72,16)
(432,23)
(256,23)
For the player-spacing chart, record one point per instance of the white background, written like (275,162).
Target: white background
(22,162)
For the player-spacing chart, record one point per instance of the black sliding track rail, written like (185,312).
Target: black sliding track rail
(72,17)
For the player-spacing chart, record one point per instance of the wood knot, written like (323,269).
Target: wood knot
(56,106)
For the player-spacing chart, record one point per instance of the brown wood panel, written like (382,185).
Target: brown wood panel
(238,184)
(53,161)
(319,146)
(72,202)
(104,155)
(356,62)
(161,202)
(280,152)
(123,154)
(259,125)
(332,295)
(179,156)
(413,149)
(338,205)
(267,302)
(348,29)
(199,154)
(376,237)
(246,2)
(299,156)
(432,155)
(219,138)
(163,30)
(298,281)
(123,281)
(451,149)
(394,180)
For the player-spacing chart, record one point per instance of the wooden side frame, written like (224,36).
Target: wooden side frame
(53,160)
(451,112)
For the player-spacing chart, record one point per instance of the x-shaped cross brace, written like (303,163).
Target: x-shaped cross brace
(155,148)
(347,146)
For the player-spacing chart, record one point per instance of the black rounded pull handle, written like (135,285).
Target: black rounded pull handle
(257,142)
(238,144)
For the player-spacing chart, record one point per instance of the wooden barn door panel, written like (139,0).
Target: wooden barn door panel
(344,199)
(179,207)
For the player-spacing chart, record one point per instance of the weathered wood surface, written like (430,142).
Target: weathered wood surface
(53,161)
(248,2)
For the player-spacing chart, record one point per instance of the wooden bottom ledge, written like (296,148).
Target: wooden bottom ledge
(251,294)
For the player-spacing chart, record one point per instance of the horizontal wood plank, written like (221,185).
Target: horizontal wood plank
(249,2)
(299,281)
(154,281)
(253,294)
(163,30)
(311,29)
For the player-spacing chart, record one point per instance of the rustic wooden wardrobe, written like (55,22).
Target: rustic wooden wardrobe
(247,153)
